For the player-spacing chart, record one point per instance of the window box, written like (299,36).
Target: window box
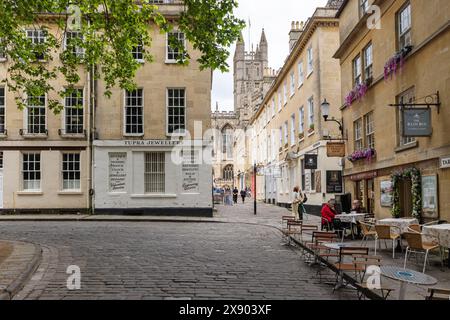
(367,154)
(396,62)
(358,92)
(301,136)
(72,134)
(311,128)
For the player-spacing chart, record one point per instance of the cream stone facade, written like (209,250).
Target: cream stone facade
(289,125)
(224,126)
(46,159)
(140,152)
(419,72)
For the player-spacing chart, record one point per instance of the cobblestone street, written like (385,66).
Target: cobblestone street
(167,260)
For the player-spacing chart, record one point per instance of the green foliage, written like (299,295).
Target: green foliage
(416,191)
(108,31)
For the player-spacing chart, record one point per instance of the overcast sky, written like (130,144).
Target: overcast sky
(275,17)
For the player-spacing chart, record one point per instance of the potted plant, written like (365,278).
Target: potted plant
(311,128)
(301,135)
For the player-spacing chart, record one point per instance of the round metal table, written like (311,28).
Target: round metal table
(407,276)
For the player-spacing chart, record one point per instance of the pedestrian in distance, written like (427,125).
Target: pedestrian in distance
(228,200)
(235,195)
(243,195)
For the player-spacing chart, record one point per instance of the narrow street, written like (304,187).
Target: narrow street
(168,260)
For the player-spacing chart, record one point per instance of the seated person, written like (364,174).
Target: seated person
(328,213)
(357,207)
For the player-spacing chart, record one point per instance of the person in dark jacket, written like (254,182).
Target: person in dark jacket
(235,195)
(243,195)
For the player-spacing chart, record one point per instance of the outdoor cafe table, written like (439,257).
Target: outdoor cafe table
(441,232)
(406,277)
(401,223)
(353,218)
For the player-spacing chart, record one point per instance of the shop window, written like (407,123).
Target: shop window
(155,175)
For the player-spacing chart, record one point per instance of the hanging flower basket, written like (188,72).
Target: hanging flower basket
(367,154)
(416,191)
(301,135)
(358,92)
(396,63)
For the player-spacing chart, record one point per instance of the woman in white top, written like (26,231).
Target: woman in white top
(296,203)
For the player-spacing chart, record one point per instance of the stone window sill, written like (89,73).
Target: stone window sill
(408,146)
(30,193)
(70,193)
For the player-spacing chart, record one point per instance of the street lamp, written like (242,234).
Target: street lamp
(326,113)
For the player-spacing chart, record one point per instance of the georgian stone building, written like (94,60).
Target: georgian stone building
(398,128)
(118,155)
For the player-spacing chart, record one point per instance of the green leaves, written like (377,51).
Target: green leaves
(105,35)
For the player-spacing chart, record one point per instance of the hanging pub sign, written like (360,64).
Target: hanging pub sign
(335,149)
(334,182)
(311,161)
(417,122)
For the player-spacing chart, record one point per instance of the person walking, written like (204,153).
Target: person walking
(235,195)
(243,195)
(297,204)
(228,201)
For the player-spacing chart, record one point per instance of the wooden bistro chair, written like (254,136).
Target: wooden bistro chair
(319,238)
(364,262)
(384,232)
(416,245)
(438,294)
(285,220)
(367,231)
(346,263)
(293,229)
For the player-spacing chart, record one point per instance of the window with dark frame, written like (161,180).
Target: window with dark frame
(357,77)
(404,26)
(370,130)
(71,171)
(36,115)
(74,112)
(176,111)
(155,175)
(174,54)
(2,111)
(70,40)
(138,52)
(363,7)
(406,97)
(368,61)
(31,171)
(2,51)
(37,37)
(357,127)
(134,109)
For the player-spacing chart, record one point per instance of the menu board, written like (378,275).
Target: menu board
(334,182)
(117,172)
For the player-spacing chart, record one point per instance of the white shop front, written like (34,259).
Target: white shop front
(152,177)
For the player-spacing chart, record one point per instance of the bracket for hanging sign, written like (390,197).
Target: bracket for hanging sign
(432,100)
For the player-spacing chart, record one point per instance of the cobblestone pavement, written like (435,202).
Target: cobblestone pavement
(162,260)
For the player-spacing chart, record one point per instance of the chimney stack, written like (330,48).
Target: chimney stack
(295,33)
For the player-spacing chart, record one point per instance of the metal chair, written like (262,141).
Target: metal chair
(416,245)
(384,232)
(438,294)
